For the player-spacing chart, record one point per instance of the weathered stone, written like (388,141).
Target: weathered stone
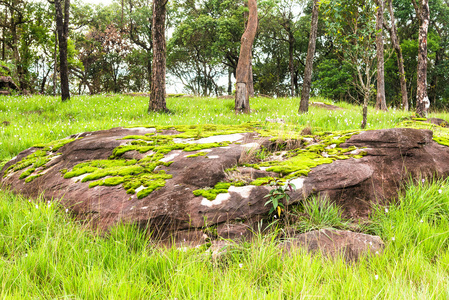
(332,243)
(393,155)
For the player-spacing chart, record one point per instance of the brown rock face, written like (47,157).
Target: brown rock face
(332,243)
(393,155)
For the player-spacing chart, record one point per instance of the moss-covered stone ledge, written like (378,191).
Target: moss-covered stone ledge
(177,192)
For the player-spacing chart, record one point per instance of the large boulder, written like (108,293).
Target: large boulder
(132,175)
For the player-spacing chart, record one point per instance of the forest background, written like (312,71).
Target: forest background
(110,47)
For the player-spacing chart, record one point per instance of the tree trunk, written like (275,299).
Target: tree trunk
(307,81)
(434,80)
(291,44)
(422,100)
(229,81)
(397,48)
(365,109)
(250,79)
(44,81)
(244,69)
(55,69)
(157,96)
(149,71)
(3,36)
(380,99)
(62,24)
(205,83)
(15,51)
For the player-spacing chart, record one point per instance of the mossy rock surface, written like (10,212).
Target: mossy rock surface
(191,177)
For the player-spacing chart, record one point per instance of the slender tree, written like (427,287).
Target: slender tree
(422,100)
(243,72)
(55,63)
(353,30)
(62,25)
(157,96)
(380,99)
(397,48)
(3,35)
(307,81)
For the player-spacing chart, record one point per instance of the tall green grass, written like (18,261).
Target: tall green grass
(44,254)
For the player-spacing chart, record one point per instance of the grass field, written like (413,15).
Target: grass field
(44,254)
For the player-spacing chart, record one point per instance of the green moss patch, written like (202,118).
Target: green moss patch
(37,160)
(201,153)
(323,150)
(161,146)
(262,181)
(441,140)
(132,174)
(219,188)
(55,145)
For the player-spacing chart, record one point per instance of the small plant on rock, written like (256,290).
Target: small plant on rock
(278,194)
